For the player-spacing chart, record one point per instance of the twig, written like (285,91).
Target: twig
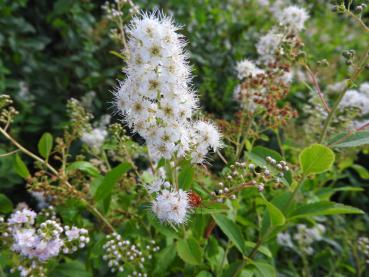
(9,153)
(317,87)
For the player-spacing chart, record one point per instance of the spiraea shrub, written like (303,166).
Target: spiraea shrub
(161,181)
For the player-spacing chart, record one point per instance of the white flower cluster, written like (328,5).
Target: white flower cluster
(171,206)
(247,68)
(155,98)
(304,237)
(357,99)
(122,255)
(293,18)
(40,242)
(95,138)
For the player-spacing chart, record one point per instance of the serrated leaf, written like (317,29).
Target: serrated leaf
(231,230)
(45,145)
(6,206)
(316,158)
(322,208)
(20,167)
(110,179)
(189,251)
(84,166)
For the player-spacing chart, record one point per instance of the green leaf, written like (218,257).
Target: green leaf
(110,179)
(20,167)
(346,140)
(231,230)
(316,158)
(264,269)
(185,177)
(322,208)
(164,260)
(204,274)
(362,171)
(326,193)
(189,251)
(6,206)
(276,217)
(262,249)
(85,167)
(45,145)
(71,269)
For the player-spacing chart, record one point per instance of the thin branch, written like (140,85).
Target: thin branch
(317,87)
(9,153)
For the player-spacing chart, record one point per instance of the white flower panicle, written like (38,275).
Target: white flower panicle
(171,206)
(156,98)
(247,68)
(39,242)
(293,18)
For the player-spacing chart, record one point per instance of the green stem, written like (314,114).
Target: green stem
(293,195)
(280,144)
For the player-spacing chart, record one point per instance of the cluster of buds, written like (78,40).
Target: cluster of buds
(223,192)
(349,56)
(246,175)
(281,166)
(8,112)
(48,213)
(36,238)
(115,11)
(363,244)
(124,256)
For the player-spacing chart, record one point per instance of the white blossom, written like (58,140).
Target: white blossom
(94,138)
(156,98)
(171,206)
(293,18)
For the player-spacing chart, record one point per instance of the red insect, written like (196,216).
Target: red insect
(194,199)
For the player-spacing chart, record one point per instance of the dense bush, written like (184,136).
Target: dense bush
(234,142)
